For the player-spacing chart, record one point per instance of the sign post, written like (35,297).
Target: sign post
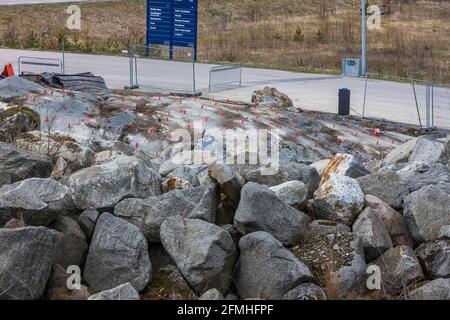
(172,23)
(363,37)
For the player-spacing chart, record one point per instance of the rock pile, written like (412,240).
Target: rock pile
(136,225)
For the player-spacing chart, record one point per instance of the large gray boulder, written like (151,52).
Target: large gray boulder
(400,154)
(288,172)
(185,173)
(419,174)
(438,289)
(212,294)
(386,185)
(320,165)
(266,269)
(14,121)
(26,258)
(427,210)
(306,291)
(17,164)
(444,232)
(204,252)
(394,222)
(344,165)
(71,246)
(148,214)
(324,227)
(104,186)
(429,150)
(261,210)
(337,262)
(294,193)
(230,181)
(399,268)
(272,97)
(434,257)
(118,254)
(37,201)
(77,156)
(339,199)
(122,292)
(87,221)
(374,235)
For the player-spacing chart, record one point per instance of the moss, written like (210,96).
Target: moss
(34,116)
(168,284)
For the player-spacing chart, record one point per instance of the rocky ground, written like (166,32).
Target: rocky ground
(88,184)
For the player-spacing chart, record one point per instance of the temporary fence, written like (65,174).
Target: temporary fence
(162,68)
(225,77)
(423,103)
(39,65)
(440,105)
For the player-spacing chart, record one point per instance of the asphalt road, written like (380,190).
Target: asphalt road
(389,100)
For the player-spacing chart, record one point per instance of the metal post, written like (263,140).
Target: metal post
(193,73)
(131,66)
(136,83)
(240,77)
(428,105)
(363,36)
(365,95)
(209,84)
(417,105)
(63,57)
(432,104)
(133,70)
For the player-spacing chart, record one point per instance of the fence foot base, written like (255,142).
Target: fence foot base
(187,94)
(429,129)
(136,86)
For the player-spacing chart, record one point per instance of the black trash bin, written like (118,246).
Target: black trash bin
(344,102)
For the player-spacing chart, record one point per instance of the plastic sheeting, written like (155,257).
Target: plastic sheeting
(85,82)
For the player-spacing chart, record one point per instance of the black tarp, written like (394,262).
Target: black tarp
(86,82)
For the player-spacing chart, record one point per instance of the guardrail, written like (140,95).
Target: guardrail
(225,77)
(40,65)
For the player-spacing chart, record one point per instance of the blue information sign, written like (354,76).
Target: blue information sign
(172,23)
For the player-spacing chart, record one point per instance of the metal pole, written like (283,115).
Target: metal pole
(240,77)
(365,95)
(363,36)
(193,72)
(63,57)
(428,105)
(131,66)
(209,85)
(136,83)
(417,105)
(432,104)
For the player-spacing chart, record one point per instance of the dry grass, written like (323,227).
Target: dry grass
(414,40)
